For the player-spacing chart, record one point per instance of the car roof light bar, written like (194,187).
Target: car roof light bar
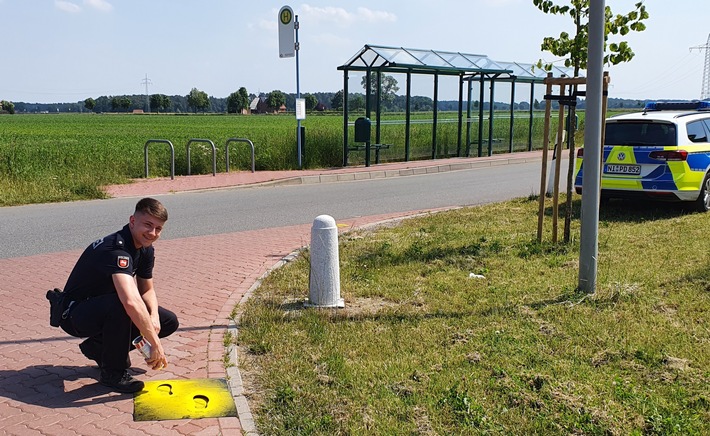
(677,105)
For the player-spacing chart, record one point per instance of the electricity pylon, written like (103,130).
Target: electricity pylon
(705,91)
(147,82)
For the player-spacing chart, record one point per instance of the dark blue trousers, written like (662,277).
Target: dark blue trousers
(109,330)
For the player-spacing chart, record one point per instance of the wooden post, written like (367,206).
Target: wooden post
(605,92)
(571,129)
(558,159)
(563,82)
(545,144)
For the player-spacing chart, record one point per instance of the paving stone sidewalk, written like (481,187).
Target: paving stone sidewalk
(47,387)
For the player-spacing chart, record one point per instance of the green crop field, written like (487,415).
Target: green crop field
(52,157)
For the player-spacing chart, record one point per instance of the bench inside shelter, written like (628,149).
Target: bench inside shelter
(376,147)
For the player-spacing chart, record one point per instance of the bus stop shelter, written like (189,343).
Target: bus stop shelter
(469,68)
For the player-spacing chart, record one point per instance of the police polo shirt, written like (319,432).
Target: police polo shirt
(112,254)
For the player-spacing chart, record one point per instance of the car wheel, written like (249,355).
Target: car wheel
(702,204)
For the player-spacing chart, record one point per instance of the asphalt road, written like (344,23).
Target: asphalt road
(49,228)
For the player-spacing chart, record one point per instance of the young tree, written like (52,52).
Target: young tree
(198,100)
(574,49)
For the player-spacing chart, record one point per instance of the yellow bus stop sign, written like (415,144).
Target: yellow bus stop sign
(287,32)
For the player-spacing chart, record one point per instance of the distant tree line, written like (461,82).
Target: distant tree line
(194,101)
(240,100)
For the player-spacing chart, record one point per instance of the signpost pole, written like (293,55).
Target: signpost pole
(298,96)
(288,48)
(589,239)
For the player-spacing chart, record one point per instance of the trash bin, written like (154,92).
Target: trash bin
(362,129)
(303,142)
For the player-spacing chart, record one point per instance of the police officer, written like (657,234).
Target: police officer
(110,298)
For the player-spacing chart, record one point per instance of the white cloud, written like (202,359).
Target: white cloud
(502,3)
(101,5)
(67,6)
(330,39)
(328,13)
(345,18)
(270,25)
(370,16)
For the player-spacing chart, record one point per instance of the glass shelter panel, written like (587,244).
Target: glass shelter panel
(433,59)
(398,56)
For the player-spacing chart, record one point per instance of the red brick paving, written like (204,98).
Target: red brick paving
(48,387)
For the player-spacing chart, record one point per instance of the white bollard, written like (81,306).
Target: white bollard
(324,286)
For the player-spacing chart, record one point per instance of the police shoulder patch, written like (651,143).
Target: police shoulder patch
(123,261)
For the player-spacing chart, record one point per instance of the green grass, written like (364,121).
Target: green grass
(68,157)
(422,348)
(50,158)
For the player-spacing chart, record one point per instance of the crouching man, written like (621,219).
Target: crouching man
(110,298)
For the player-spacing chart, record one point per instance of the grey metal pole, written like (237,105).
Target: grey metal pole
(298,95)
(592,150)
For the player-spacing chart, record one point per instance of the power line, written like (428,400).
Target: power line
(705,90)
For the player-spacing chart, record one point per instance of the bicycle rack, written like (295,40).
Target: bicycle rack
(172,156)
(214,154)
(226,151)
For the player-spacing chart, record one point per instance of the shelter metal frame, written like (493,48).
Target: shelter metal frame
(374,59)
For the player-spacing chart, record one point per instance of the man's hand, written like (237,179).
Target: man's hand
(157,359)
(145,318)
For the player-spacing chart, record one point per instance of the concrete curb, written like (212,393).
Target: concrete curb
(204,182)
(246,419)
(384,173)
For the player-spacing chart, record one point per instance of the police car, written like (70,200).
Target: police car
(662,153)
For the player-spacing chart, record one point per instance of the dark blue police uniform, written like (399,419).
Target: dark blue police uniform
(96,312)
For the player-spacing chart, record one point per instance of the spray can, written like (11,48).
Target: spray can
(143,346)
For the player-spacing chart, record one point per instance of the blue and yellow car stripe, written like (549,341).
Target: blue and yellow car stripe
(667,176)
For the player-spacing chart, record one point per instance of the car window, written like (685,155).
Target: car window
(696,132)
(640,134)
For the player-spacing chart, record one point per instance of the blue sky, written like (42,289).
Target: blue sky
(68,50)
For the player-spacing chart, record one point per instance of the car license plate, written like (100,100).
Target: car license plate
(633,170)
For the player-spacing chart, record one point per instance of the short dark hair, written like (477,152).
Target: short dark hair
(152,207)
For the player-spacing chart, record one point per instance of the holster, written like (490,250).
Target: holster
(56,306)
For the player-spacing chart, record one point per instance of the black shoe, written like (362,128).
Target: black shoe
(90,352)
(121,382)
